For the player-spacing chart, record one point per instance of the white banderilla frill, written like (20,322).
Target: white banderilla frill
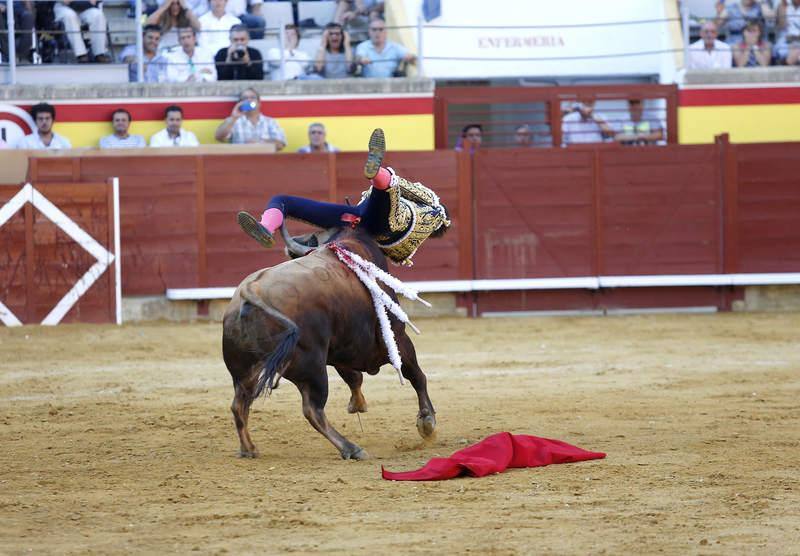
(369,274)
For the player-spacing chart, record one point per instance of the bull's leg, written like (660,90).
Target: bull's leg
(241,411)
(426,418)
(354,379)
(315,395)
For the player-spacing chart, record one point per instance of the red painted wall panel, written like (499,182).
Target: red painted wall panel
(660,211)
(768,207)
(534,213)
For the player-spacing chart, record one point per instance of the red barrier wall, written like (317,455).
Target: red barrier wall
(178,213)
(39,263)
(517,214)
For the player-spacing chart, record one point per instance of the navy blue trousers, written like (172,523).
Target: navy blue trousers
(373,212)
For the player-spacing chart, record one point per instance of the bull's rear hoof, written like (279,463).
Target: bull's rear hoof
(248,453)
(360,454)
(426,426)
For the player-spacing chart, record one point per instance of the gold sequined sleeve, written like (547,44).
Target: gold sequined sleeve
(415,191)
(399,212)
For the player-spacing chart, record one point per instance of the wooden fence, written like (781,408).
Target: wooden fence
(583,211)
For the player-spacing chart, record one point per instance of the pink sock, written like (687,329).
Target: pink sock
(272,219)
(382,179)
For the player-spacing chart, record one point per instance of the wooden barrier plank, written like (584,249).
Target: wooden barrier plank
(658,209)
(521,230)
(766,205)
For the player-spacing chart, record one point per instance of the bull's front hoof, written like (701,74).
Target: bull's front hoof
(248,453)
(357,406)
(426,426)
(359,454)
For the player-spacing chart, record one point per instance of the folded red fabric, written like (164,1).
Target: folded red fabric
(495,454)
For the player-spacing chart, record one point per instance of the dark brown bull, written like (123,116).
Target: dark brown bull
(293,319)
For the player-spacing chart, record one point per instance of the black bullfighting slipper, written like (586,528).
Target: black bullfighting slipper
(254,229)
(377,148)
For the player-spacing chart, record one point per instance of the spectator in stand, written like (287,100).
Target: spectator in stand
(296,62)
(472,134)
(708,52)
(155,65)
(379,57)
(752,52)
(173,135)
(348,10)
(316,141)
(787,44)
(247,124)
(253,19)
(74,12)
(239,61)
(334,57)
(171,16)
(23,27)
(638,130)
(215,26)
(523,136)
(197,7)
(584,125)
(44,137)
(733,16)
(121,139)
(191,62)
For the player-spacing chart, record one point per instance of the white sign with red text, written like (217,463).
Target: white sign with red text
(538,38)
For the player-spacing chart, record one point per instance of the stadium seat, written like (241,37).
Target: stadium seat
(320,11)
(310,45)
(277,14)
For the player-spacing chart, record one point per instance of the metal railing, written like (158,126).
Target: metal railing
(422,32)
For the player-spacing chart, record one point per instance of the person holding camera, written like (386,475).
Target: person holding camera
(238,61)
(247,125)
(583,125)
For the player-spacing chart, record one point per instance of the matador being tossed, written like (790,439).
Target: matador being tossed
(398,213)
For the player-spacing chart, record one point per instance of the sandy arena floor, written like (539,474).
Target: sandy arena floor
(119,440)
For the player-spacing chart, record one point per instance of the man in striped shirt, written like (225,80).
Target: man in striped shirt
(121,139)
(247,124)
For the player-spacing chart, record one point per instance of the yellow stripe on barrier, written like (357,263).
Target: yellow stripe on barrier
(348,133)
(745,124)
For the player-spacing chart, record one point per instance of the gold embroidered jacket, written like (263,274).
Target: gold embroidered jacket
(415,212)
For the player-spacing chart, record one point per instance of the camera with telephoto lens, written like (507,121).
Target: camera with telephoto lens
(238,52)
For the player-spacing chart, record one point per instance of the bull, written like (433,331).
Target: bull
(291,320)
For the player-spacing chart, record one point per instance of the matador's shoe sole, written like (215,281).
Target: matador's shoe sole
(377,149)
(254,229)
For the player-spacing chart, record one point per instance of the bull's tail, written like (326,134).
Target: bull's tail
(275,361)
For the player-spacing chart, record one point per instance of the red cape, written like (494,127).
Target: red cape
(495,454)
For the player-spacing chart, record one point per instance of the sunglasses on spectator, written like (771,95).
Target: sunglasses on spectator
(377,28)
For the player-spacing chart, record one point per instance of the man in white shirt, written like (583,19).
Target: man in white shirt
(215,26)
(173,135)
(190,62)
(584,125)
(708,52)
(121,139)
(44,137)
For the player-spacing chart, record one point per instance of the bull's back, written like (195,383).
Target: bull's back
(322,296)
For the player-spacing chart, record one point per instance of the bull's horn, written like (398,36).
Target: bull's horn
(294,247)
